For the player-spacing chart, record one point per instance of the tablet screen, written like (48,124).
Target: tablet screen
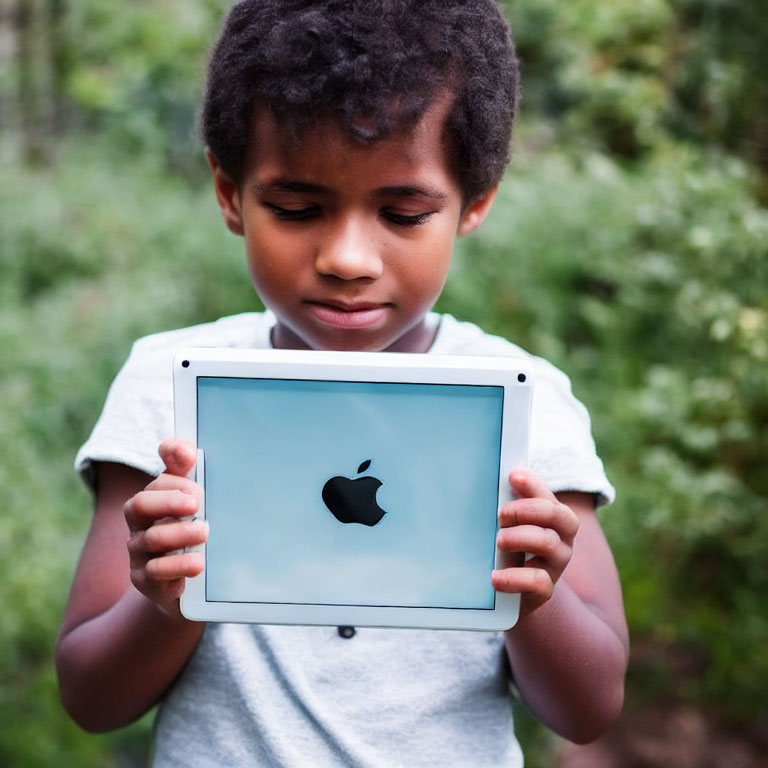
(350,493)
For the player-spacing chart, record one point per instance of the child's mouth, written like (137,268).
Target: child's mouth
(341,315)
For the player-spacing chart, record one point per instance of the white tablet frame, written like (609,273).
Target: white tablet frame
(511,373)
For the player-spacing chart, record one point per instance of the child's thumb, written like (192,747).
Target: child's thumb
(178,455)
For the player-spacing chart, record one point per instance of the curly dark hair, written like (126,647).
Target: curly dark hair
(373,66)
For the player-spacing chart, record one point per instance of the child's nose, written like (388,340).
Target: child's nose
(349,251)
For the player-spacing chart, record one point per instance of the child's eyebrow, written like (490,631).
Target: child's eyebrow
(415,191)
(289,185)
(398,190)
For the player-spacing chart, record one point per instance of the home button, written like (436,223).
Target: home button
(347,632)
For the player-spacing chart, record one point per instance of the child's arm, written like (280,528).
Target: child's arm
(570,647)
(123,640)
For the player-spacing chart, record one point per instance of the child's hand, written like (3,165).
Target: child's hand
(538,524)
(157,529)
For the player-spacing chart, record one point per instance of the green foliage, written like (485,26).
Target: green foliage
(624,75)
(649,287)
(92,256)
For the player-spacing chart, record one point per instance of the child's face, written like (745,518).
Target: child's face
(349,245)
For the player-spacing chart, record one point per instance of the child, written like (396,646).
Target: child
(350,143)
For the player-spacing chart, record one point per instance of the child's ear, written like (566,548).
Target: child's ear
(474,214)
(228,195)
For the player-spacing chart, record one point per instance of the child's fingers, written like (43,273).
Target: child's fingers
(185,533)
(172,567)
(544,544)
(536,523)
(145,508)
(179,456)
(542,513)
(526,485)
(162,538)
(163,579)
(175,589)
(535,583)
(167,482)
(529,538)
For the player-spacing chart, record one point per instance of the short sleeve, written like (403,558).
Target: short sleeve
(138,412)
(137,416)
(562,449)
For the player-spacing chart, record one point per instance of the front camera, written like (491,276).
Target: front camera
(521,378)
(185,363)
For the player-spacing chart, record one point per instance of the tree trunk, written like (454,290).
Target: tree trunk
(26,83)
(60,61)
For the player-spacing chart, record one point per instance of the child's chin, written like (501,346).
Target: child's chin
(344,343)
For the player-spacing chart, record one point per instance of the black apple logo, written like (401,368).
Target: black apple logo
(354,501)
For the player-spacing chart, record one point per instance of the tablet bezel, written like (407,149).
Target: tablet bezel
(511,373)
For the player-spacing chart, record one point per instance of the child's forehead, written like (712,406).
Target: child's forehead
(323,139)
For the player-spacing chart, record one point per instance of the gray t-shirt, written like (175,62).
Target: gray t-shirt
(256,695)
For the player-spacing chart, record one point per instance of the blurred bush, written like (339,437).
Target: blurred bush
(628,245)
(649,288)
(95,253)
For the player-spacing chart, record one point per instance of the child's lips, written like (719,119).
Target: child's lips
(352,315)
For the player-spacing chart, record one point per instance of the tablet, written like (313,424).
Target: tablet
(351,488)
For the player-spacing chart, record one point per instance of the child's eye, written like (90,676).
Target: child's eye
(292,214)
(405,220)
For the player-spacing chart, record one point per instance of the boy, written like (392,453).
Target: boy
(350,143)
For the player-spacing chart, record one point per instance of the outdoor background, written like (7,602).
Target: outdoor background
(629,245)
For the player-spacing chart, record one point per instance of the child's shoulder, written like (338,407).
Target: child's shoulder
(459,337)
(248,329)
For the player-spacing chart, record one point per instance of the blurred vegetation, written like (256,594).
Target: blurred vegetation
(629,245)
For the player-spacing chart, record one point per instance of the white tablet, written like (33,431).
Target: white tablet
(347,488)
